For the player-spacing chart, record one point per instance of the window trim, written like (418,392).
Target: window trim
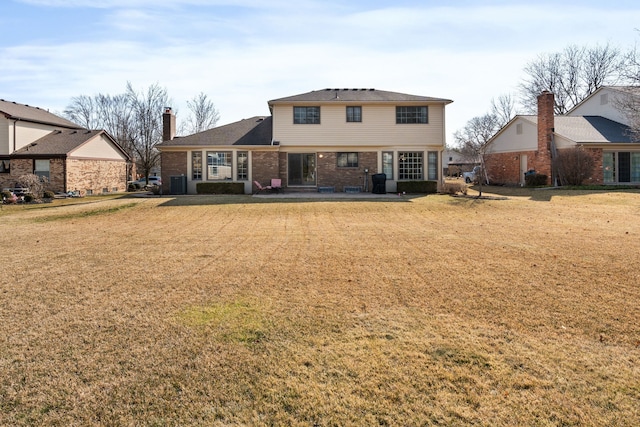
(228,156)
(242,167)
(354,117)
(410,114)
(388,165)
(199,166)
(349,163)
(311,115)
(414,172)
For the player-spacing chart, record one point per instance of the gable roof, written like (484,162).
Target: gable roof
(356,95)
(627,90)
(582,129)
(60,143)
(254,131)
(15,111)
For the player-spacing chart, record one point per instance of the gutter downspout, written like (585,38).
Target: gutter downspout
(14,135)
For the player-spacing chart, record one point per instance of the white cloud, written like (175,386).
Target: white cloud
(241,60)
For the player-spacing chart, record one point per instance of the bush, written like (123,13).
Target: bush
(156,190)
(535,180)
(28,198)
(34,183)
(220,188)
(574,166)
(420,187)
(48,194)
(454,188)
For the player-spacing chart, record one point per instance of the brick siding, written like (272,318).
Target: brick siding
(173,163)
(85,174)
(330,175)
(265,165)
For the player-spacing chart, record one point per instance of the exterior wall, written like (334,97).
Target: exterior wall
(601,103)
(98,148)
(504,168)
(265,165)
(598,173)
(509,140)
(99,176)
(330,175)
(26,133)
(5,147)
(174,163)
(378,127)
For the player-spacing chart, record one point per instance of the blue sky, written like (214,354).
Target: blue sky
(244,53)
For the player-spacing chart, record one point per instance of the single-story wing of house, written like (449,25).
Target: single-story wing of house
(329,138)
(34,141)
(530,143)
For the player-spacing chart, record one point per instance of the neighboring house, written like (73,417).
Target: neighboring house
(35,141)
(335,138)
(529,143)
(454,163)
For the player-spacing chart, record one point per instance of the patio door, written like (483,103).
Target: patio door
(302,169)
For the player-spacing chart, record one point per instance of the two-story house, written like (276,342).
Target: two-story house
(597,124)
(35,141)
(332,138)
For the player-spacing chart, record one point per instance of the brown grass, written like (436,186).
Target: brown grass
(232,310)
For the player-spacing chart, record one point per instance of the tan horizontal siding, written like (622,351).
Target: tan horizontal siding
(378,128)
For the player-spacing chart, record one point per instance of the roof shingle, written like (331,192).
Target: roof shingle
(253,131)
(13,110)
(357,95)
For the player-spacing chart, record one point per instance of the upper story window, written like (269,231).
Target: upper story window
(412,115)
(306,115)
(354,114)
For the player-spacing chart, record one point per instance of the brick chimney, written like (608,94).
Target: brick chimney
(546,103)
(168,124)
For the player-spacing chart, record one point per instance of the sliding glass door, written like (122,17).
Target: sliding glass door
(302,169)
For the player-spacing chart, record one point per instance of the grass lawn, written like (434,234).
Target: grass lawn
(233,310)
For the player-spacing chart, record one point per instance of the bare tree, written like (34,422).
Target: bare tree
(473,141)
(503,108)
(147,124)
(571,75)
(204,115)
(82,111)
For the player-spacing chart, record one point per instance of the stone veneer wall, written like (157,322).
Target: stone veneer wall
(172,163)
(94,175)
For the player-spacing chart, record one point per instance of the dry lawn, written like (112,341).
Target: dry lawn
(232,310)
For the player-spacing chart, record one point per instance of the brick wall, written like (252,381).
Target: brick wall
(172,164)
(330,175)
(94,175)
(504,168)
(598,173)
(265,165)
(542,159)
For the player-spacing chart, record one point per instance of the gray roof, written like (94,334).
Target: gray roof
(590,129)
(13,110)
(357,95)
(61,142)
(254,131)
